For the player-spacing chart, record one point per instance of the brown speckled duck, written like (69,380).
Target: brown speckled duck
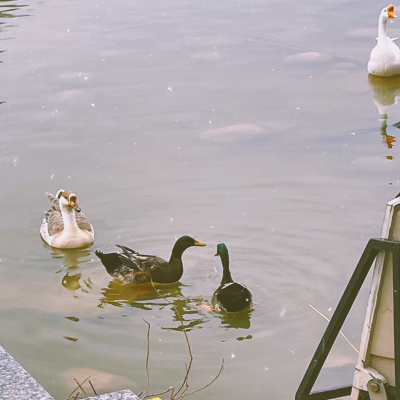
(132,267)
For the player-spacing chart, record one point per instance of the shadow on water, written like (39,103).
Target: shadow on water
(385,92)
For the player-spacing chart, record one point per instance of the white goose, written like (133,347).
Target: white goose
(385,56)
(64,225)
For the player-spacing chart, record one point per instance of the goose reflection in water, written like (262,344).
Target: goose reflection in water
(385,92)
(73,258)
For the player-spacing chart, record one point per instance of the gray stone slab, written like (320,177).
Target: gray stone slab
(121,395)
(16,383)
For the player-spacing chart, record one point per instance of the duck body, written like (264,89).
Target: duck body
(133,267)
(385,56)
(64,225)
(230,296)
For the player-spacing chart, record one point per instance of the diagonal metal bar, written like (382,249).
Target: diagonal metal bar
(338,318)
(364,265)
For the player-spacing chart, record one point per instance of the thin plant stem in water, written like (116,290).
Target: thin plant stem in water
(147,356)
(183,389)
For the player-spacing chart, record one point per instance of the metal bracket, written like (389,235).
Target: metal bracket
(371,381)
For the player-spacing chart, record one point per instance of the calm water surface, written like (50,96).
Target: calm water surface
(246,122)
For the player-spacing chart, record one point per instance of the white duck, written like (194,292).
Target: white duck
(64,225)
(385,56)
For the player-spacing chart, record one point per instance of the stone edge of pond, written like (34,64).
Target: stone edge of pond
(17,384)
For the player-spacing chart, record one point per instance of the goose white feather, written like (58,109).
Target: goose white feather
(385,56)
(64,225)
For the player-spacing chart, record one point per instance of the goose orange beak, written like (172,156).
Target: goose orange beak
(196,243)
(390,9)
(73,202)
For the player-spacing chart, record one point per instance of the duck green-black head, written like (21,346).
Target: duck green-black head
(222,250)
(182,244)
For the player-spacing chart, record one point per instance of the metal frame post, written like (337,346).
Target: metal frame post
(353,287)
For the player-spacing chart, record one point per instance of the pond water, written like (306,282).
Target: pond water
(251,123)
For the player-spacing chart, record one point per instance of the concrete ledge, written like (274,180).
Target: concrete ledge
(17,384)
(121,395)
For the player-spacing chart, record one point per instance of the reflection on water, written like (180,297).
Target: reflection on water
(185,309)
(236,320)
(72,279)
(141,296)
(385,92)
(8,8)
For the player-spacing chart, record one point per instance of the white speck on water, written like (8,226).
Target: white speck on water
(210,122)
(212,226)
(159,340)
(15,161)
(93,104)
(69,177)
(352,133)
(293,351)
(215,269)
(169,88)
(52,176)
(297,108)
(310,76)
(68,30)
(85,78)
(233,355)
(266,368)
(283,312)
(171,219)
(330,309)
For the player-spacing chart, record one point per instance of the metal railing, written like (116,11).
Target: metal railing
(374,246)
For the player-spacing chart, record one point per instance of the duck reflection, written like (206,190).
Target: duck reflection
(385,92)
(239,320)
(73,258)
(145,297)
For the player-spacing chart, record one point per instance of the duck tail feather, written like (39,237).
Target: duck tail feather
(127,250)
(51,197)
(115,263)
